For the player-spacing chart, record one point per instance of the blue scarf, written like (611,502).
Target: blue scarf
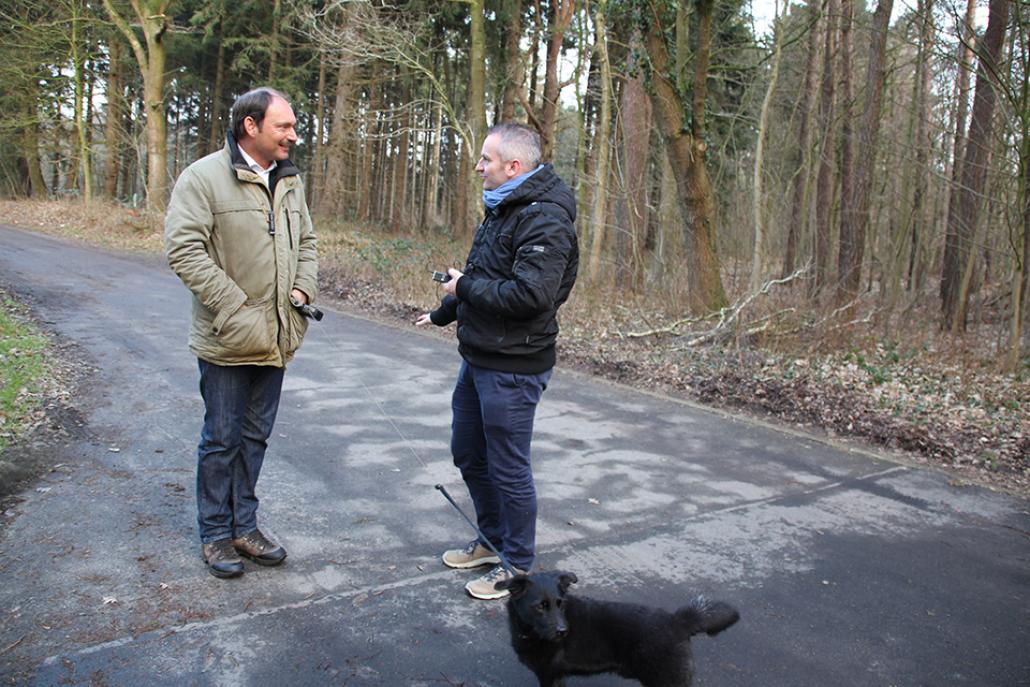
(493,197)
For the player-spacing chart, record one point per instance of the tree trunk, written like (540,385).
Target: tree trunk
(333,201)
(399,217)
(513,67)
(587,145)
(216,134)
(923,143)
(962,219)
(1021,275)
(432,212)
(534,68)
(113,132)
(848,218)
(686,151)
(951,268)
(599,209)
(273,41)
(825,181)
(317,171)
(758,206)
(561,16)
(476,113)
(151,59)
(799,200)
(636,140)
(375,98)
(30,151)
(852,253)
(1020,283)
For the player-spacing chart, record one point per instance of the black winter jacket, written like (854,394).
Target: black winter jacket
(519,271)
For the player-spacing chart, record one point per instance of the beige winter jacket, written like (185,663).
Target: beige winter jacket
(241,252)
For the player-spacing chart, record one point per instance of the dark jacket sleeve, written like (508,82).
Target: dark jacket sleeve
(446,313)
(542,244)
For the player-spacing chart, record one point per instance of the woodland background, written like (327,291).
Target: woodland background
(814,217)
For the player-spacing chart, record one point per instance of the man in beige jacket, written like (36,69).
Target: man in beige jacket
(239,235)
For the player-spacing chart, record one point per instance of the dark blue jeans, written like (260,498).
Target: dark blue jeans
(240,404)
(490,438)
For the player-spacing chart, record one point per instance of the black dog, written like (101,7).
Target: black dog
(555,634)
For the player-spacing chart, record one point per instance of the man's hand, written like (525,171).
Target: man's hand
(423,320)
(451,286)
(299,296)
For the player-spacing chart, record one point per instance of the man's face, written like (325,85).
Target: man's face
(272,140)
(491,168)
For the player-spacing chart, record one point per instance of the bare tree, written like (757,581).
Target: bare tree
(950,268)
(599,209)
(686,148)
(799,203)
(852,251)
(152,17)
(758,204)
(964,215)
(635,117)
(545,117)
(922,105)
(827,166)
(114,135)
(847,160)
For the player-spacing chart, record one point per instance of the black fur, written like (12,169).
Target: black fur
(555,634)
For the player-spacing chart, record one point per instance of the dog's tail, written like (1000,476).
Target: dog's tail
(710,617)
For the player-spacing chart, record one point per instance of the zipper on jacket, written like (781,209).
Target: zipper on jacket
(289,228)
(271,223)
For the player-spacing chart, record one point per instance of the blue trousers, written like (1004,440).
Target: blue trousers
(490,438)
(240,402)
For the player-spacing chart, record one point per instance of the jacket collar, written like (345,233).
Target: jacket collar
(242,170)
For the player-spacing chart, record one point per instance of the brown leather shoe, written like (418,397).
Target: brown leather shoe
(259,549)
(221,559)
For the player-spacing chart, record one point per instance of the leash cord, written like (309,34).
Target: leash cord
(418,457)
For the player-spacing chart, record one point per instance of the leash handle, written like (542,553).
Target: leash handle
(482,537)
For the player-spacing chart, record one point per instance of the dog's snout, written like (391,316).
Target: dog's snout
(561,631)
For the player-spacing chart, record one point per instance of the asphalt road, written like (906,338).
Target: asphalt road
(847,568)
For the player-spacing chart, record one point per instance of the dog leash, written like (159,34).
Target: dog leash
(482,537)
(407,443)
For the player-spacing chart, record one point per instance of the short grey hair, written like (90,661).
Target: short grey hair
(252,104)
(518,142)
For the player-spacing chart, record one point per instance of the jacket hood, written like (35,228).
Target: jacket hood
(543,187)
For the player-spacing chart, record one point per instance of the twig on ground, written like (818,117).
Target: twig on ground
(729,315)
(12,645)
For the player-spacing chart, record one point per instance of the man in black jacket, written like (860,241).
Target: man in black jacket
(519,271)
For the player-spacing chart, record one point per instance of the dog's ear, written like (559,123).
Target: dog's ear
(566,579)
(515,585)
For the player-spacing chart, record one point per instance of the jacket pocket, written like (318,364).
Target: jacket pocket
(298,327)
(249,330)
(481,330)
(293,225)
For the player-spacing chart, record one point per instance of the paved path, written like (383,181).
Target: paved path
(848,569)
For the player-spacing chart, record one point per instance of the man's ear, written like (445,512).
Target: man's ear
(250,126)
(516,167)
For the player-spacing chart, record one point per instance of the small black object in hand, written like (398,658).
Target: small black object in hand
(442,277)
(309,311)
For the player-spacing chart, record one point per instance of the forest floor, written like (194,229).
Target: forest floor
(928,398)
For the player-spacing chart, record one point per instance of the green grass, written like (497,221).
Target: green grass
(23,370)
